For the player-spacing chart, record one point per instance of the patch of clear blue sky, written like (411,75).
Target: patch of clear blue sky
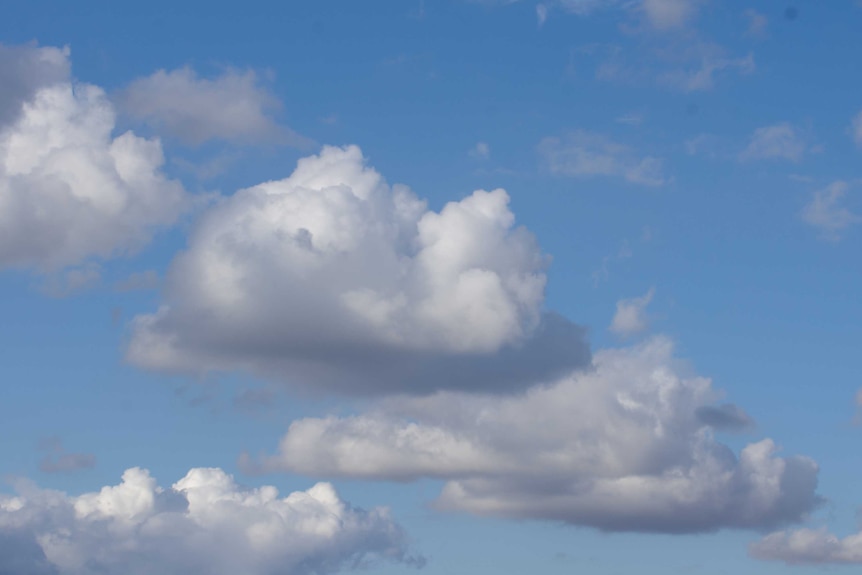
(753,297)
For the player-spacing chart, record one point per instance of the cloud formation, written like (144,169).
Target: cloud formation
(630,317)
(58,460)
(233,107)
(584,154)
(334,280)
(777,142)
(69,189)
(205,523)
(809,546)
(626,446)
(826,212)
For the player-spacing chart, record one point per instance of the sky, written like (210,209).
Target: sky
(437,286)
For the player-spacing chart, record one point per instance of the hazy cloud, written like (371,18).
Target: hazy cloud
(777,142)
(826,212)
(584,154)
(233,107)
(631,317)
(58,460)
(809,546)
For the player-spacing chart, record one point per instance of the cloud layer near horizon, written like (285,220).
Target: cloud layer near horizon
(334,280)
(204,524)
(626,446)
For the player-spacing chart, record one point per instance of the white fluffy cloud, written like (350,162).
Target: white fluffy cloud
(826,212)
(812,546)
(778,142)
(626,446)
(668,14)
(630,317)
(586,154)
(233,106)
(331,276)
(69,189)
(204,524)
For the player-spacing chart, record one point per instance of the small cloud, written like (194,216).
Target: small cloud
(585,154)
(139,281)
(631,318)
(631,119)
(727,417)
(59,461)
(856,128)
(71,281)
(330,120)
(826,212)
(481,151)
(757,23)
(668,14)
(232,107)
(541,14)
(777,142)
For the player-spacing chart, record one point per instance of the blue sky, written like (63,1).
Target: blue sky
(534,286)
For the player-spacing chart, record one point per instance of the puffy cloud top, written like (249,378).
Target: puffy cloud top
(204,524)
(69,189)
(624,447)
(332,270)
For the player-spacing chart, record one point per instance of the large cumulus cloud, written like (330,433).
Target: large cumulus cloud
(335,279)
(69,189)
(622,447)
(203,524)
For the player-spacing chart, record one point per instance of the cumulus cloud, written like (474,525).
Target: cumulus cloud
(778,142)
(232,107)
(24,70)
(585,154)
(204,523)
(809,546)
(630,317)
(333,279)
(69,189)
(625,446)
(826,212)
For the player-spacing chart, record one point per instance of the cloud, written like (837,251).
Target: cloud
(631,317)
(701,77)
(809,546)
(778,142)
(58,460)
(826,213)
(24,70)
(69,189)
(583,154)
(205,523)
(726,417)
(757,23)
(232,107)
(139,281)
(334,280)
(668,14)
(621,447)
(481,151)
(856,127)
